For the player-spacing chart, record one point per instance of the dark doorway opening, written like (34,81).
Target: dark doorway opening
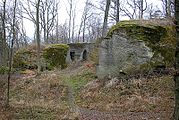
(72,55)
(84,55)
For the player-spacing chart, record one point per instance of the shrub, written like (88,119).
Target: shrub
(3,70)
(56,55)
(25,59)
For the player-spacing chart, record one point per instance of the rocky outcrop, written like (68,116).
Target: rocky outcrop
(136,46)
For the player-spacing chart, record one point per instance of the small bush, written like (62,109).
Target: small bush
(56,55)
(3,70)
(25,59)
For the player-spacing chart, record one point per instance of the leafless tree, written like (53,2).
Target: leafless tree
(63,33)
(73,24)
(60,34)
(168,7)
(71,11)
(117,9)
(6,25)
(130,9)
(142,6)
(94,27)
(37,23)
(176,77)
(1,40)
(4,46)
(48,16)
(11,50)
(153,12)
(104,32)
(85,16)
(31,10)
(135,9)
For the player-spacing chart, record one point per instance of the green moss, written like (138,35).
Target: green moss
(160,38)
(79,81)
(56,55)
(147,32)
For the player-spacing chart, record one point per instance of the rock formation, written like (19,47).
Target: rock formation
(136,46)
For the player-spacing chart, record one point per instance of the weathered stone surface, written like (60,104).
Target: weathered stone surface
(79,51)
(132,47)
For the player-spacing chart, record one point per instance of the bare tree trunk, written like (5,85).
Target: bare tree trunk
(69,25)
(176,78)
(118,7)
(47,32)
(79,31)
(38,36)
(83,21)
(11,52)
(57,25)
(104,32)
(23,34)
(73,25)
(44,25)
(1,40)
(48,12)
(84,27)
(141,9)
(4,50)
(169,9)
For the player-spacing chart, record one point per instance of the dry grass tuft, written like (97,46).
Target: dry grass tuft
(138,95)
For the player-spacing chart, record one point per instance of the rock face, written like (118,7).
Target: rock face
(132,47)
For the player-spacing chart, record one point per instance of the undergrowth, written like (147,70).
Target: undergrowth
(139,95)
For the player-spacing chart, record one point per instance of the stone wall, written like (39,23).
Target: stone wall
(79,51)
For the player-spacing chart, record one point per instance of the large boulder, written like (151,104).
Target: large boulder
(137,46)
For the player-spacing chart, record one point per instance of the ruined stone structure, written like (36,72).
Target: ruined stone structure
(79,51)
(132,47)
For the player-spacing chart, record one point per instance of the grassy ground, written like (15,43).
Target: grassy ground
(46,97)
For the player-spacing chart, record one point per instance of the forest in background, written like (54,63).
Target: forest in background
(44,14)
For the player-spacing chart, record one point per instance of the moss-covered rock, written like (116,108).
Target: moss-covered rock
(158,35)
(136,44)
(56,55)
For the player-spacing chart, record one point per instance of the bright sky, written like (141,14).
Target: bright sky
(63,16)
